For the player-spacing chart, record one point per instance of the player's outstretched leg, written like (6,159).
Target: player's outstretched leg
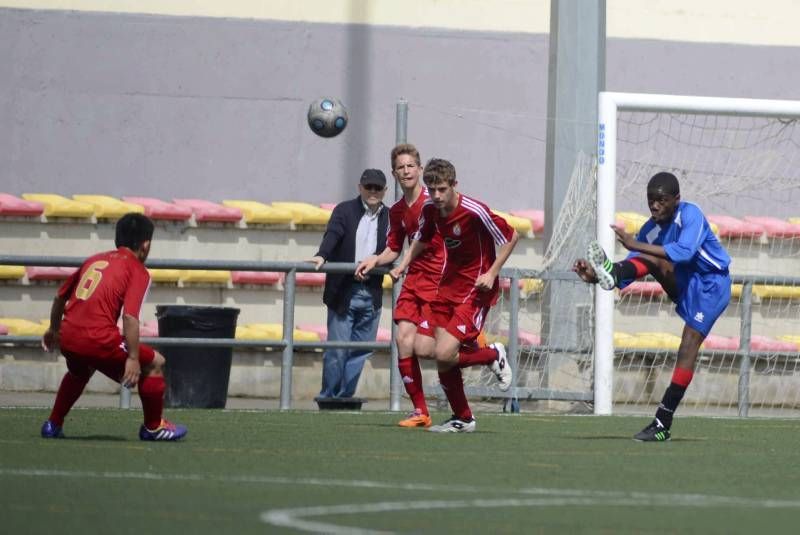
(603,267)
(502,368)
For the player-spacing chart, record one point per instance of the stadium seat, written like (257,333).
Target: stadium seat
(631,221)
(320,330)
(765,343)
(536,218)
(14,206)
(304,213)
(272,331)
(3,330)
(791,338)
(308,279)
(714,341)
(58,206)
(49,273)
(532,286)
(329,206)
(158,209)
(165,275)
(652,340)
(258,212)
(205,276)
(12,272)
(643,288)
(776,228)
(768,291)
(255,277)
(522,225)
(524,338)
(149,328)
(106,207)
(387,283)
(731,227)
(207,211)
(384,335)
(23,327)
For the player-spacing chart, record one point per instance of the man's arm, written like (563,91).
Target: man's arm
(133,370)
(416,249)
(387,256)
(332,237)
(486,281)
(50,337)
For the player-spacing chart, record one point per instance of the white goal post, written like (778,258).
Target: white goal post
(610,106)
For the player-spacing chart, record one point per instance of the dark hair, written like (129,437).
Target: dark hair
(132,230)
(439,171)
(666,182)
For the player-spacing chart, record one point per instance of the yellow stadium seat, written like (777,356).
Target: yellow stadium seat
(165,275)
(658,340)
(768,291)
(12,272)
(258,212)
(23,327)
(522,225)
(58,206)
(106,207)
(304,213)
(791,338)
(632,221)
(387,282)
(532,286)
(205,275)
(794,220)
(272,331)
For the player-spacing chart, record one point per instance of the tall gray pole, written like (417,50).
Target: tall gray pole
(401,136)
(576,74)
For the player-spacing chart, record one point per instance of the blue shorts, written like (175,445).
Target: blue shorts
(703,298)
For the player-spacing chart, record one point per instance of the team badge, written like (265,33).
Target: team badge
(457,229)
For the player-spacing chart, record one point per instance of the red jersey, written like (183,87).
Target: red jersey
(106,286)
(403,224)
(470,233)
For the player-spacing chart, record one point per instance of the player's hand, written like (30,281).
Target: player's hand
(133,371)
(584,270)
(365,266)
(485,282)
(396,273)
(317,261)
(627,240)
(50,340)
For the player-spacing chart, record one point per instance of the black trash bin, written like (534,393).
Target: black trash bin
(197,377)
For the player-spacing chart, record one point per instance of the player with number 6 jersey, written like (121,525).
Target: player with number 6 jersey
(83,324)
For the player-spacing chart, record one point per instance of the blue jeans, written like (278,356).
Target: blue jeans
(341,368)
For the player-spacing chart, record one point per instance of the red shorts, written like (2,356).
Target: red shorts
(83,358)
(464,321)
(411,308)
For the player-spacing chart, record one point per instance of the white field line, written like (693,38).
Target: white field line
(296,518)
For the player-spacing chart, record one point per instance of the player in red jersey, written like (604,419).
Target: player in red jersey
(421,281)
(83,324)
(478,243)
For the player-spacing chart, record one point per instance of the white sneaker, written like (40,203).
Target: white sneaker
(454,425)
(601,265)
(501,367)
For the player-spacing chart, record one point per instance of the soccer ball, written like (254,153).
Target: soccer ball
(327,117)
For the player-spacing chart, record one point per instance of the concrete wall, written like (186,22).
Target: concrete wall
(214,107)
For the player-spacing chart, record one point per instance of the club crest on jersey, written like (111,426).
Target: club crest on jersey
(457,229)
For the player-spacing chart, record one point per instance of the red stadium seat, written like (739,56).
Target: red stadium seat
(764,343)
(42,273)
(384,335)
(536,217)
(308,279)
(321,330)
(206,211)
(327,205)
(255,277)
(149,328)
(776,228)
(643,288)
(14,206)
(3,330)
(714,341)
(731,227)
(158,209)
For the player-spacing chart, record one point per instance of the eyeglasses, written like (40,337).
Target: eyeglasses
(372,187)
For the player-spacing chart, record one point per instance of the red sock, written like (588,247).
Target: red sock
(641,267)
(453,387)
(411,374)
(69,391)
(483,356)
(151,392)
(682,376)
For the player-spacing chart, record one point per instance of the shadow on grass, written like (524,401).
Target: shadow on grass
(629,438)
(102,438)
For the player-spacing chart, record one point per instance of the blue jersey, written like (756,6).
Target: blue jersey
(700,263)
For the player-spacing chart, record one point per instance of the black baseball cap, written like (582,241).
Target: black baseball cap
(373,177)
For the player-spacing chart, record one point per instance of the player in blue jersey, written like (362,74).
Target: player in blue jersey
(678,248)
